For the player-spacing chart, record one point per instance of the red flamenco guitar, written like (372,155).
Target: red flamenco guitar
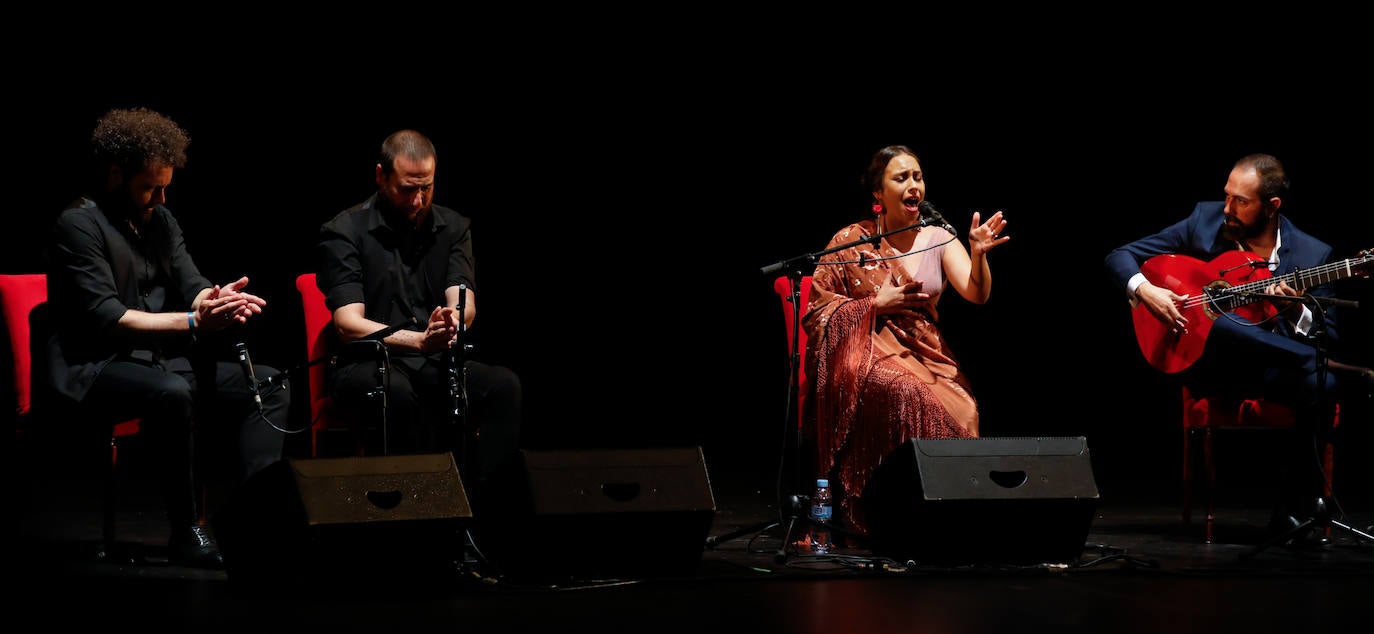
(1222,285)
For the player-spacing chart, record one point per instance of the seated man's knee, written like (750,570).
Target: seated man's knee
(172,397)
(505,383)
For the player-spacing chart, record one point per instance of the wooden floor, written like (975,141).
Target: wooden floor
(1139,570)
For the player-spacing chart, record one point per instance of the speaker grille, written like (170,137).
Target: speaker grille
(580,515)
(982,501)
(384,523)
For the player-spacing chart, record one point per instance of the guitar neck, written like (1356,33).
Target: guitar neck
(1301,279)
(1212,289)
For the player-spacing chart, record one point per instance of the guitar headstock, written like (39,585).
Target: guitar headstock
(1364,262)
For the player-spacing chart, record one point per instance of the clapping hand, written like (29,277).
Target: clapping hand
(440,331)
(227,305)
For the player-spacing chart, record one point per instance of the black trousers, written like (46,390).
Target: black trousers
(180,406)
(1247,361)
(419,408)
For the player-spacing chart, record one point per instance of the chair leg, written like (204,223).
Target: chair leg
(1209,487)
(1187,477)
(1328,471)
(107,530)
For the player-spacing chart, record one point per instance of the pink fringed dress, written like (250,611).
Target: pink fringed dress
(878,382)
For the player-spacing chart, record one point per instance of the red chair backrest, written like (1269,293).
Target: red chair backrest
(19,295)
(782,285)
(319,325)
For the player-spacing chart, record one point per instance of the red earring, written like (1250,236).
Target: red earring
(877,208)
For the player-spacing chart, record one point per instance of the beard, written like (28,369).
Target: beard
(1241,232)
(121,203)
(402,217)
(142,215)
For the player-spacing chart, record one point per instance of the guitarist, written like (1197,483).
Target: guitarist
(1275,357)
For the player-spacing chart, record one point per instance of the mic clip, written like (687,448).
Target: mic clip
(1254,264)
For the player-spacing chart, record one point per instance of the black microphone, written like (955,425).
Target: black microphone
(933,217)
(246,363)
(1254,264)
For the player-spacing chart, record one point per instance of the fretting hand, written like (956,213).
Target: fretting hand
(1282,288)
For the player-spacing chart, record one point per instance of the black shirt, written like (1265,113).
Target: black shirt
(100,267)
(399,273)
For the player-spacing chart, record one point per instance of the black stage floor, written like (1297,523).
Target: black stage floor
(1139,570)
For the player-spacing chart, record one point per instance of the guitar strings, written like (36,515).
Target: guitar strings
(1318,274)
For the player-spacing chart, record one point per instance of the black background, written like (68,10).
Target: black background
(626,192)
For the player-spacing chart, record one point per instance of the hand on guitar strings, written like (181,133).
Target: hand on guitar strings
(1164,305)
(1282,288)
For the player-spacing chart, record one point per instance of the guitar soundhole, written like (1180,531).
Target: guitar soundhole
(1210,307)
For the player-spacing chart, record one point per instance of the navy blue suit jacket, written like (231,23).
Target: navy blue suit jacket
(1199,236)
(1239,358)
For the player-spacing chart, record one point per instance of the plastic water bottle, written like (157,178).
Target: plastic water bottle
(821,511)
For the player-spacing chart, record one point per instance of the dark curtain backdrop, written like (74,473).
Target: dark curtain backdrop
(623,210)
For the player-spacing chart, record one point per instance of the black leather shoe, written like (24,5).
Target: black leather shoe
(1281,523)
(1312,538)
(194,546)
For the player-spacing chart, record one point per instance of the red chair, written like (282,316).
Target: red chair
(22,295)
(321,343)
(319,333)
(783,287)
(19,295)
(807,457)
(1206,416)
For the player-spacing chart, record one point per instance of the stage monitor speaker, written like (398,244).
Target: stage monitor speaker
(1019,501)
(329,522)
(598,514)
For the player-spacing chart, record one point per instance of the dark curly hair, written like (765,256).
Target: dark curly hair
(138,138)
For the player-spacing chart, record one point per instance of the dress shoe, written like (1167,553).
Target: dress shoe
(194,546)
(1284,524)
(1312,539)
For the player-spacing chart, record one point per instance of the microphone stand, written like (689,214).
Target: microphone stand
(464,434)
(795,503)
(458,389)
(810,259)
(1322,508)
(278,380)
